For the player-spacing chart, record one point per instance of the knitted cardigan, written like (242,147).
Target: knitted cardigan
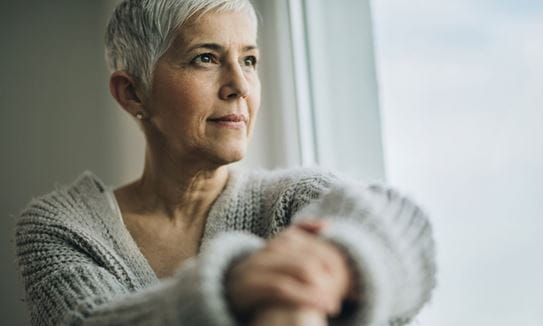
(80,266)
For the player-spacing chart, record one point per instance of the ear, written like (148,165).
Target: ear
(123,88)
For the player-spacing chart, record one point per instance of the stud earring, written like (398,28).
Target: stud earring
(139,115)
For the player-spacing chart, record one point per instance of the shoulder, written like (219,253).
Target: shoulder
(298,179)
(296,176)
(286,190)
(66,205)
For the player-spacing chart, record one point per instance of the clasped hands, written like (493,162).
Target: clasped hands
(296,277)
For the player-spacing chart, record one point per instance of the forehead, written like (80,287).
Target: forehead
(227,28)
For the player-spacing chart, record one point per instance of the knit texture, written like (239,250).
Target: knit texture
(80,266)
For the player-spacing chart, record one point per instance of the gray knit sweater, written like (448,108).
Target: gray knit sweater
(80,266)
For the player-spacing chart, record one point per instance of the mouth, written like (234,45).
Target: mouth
(235,121)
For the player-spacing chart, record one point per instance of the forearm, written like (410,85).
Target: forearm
(84,293)
(389,243)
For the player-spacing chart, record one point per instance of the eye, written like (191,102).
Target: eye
(204,58)
(250,61)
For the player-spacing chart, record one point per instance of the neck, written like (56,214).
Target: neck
(180,191)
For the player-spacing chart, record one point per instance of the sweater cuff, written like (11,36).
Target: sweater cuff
(369,261)
(214,262)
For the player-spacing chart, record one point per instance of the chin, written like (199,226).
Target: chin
(229,154)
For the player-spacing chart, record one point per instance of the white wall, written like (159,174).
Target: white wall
(462,98)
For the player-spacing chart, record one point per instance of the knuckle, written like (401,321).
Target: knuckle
(306,271)
(279,289)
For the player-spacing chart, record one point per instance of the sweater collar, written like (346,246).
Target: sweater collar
(135,265)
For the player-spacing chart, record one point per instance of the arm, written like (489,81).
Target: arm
(66,284)
(389,243)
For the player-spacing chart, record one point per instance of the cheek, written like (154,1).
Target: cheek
(185,102)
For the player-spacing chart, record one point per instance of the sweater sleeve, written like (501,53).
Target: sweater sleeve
(388,240)
(66,285)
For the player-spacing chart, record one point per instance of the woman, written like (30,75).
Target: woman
(194,242)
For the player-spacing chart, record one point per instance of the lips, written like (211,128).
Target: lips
(230,118)
(230,121)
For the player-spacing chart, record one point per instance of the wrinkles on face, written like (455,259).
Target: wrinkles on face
(207,72)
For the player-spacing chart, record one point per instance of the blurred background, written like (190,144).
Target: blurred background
(442,99)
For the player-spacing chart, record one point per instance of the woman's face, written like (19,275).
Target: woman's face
(206,91)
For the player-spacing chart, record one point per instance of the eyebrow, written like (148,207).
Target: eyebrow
(218,47)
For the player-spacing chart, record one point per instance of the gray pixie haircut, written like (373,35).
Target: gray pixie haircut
(140,31)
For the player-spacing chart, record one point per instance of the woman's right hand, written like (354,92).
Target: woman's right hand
(295,269)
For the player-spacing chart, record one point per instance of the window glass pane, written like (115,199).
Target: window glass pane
(462,101)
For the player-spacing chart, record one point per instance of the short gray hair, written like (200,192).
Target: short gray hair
(140,31)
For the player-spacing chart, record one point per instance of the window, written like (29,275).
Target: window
(459,110)
(462,109)
(320,103)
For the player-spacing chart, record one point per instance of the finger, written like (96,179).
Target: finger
(295,263)
(298,252)
(312,226)
(311,260)
(301,267)
(277,288)
(308,270)
(318,263)
(280,278)
(308,246)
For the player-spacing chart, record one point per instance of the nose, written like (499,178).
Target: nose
(235,84)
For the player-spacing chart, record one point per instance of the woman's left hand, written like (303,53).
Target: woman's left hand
(340,281)
(346,283)
(298,255)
